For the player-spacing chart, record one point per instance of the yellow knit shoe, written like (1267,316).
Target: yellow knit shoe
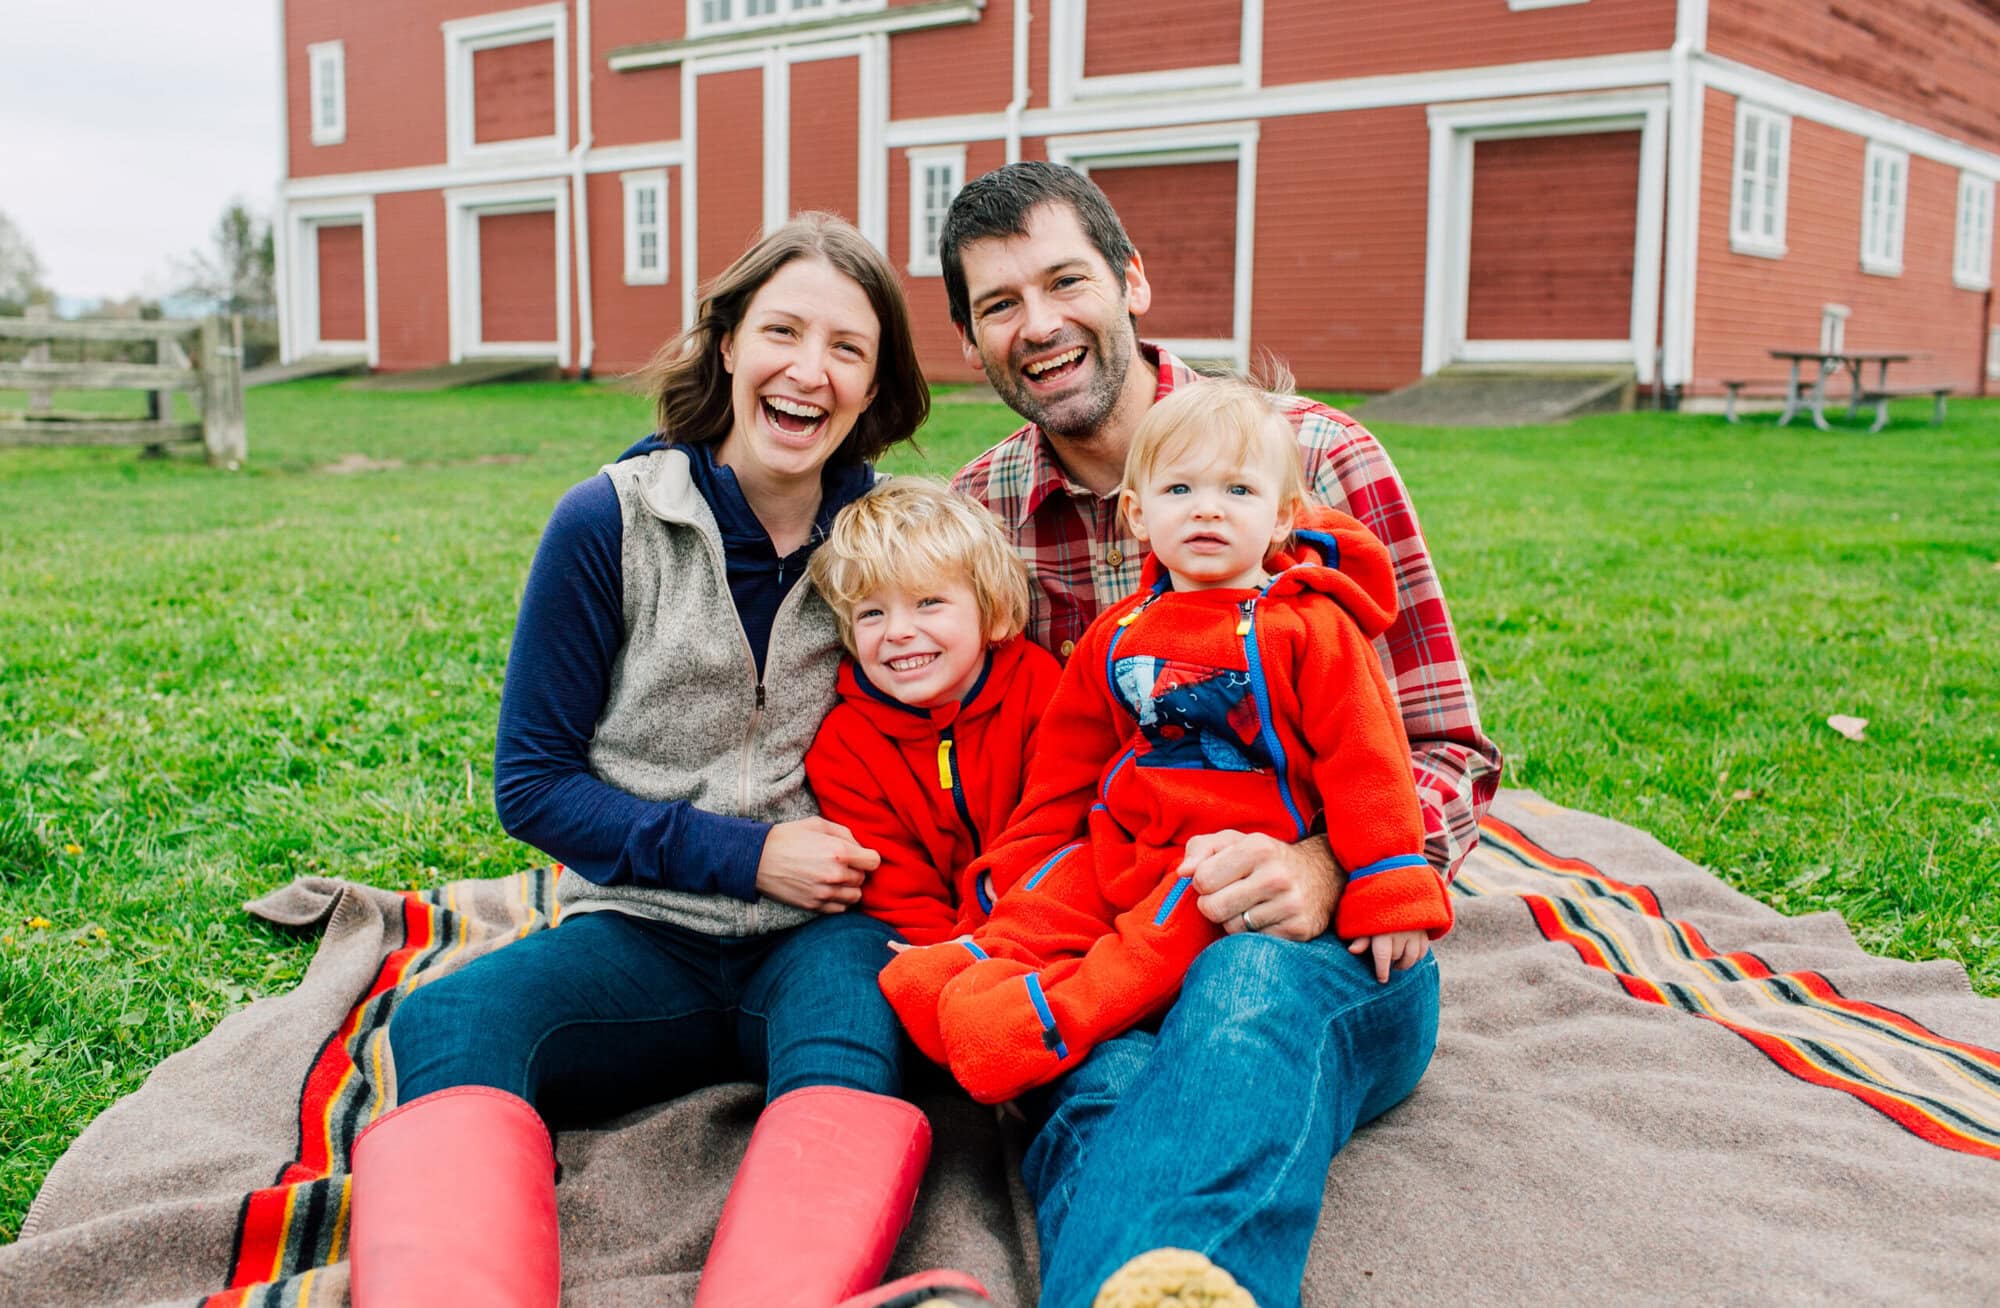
(1172,1278)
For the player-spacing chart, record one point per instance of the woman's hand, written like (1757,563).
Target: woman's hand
(815,864)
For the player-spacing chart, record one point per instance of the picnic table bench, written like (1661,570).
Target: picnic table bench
(1880,396)
(1800,394)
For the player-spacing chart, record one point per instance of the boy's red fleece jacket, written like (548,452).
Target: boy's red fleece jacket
(928,789)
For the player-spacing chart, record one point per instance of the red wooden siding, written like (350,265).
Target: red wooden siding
(514,92)
(395,83)
(644,104)
(630,321)
(1745,305)
(411,282)
(960,70)
(1338,287)
(1553,218)
(1312,40)
(1143,38)
(343,314)
(1931,62)
(517,276)
(930,313)
(826,135)
(729,152)
(1182,219)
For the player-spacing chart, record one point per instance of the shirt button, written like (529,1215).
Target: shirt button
(1115,557)
(1068,648)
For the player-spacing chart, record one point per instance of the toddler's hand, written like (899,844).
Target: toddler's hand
(1404,948)
(903,946)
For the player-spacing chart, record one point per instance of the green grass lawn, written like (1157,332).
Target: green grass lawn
(211,683)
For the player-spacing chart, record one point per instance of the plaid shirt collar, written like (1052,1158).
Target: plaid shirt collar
(1044,474)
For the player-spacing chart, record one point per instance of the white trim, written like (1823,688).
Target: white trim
(1686,111)
(1200,349)
(1605,352)
(872,182)
(326,68)
(280,246)
(1069,84)
(1455,130)
(923,251)
(783,12)
(1831,111)
(1972,234)
(579,192)
(464,206)
(1222,141)
(301,222)
(1541,4)
(777,88)
(690,253)
(1752,216)
(1993,353)
(1882,226)
(903,18)
(634,185)
(1691,25)
(465,37)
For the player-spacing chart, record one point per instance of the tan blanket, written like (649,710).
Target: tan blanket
(1648,1088)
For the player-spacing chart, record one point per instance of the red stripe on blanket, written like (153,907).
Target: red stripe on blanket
(266,1227)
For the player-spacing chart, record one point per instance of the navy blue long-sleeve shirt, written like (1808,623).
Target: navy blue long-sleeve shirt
(566,640)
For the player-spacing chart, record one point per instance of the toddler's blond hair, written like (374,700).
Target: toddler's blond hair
(912,533)
(1235,420)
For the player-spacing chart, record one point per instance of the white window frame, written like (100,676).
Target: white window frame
(1972,253)
(1882,217)
(924,261)
(1068,83)
(733,19)
(1770,182)
(638,184)
(326,70)
(466,37)
(464,207)
(302,221)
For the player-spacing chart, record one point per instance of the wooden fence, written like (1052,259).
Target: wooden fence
(216,382)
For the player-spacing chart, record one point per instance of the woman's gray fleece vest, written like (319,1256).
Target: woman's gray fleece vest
(687,717)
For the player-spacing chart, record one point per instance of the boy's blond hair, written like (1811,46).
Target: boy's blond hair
(1237,421)
(912,533)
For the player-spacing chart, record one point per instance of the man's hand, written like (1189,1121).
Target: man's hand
(1403,948)
(1256,883)
(816,864)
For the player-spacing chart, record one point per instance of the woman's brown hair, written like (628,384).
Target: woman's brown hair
(690,388)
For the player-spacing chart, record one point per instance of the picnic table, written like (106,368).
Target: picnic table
(1813,396)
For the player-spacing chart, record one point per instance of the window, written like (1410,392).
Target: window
(728,15)
(326,83)
(515,127)
(1886,177)
(1972,259)
(935,177)
(645,228)
(1757,193)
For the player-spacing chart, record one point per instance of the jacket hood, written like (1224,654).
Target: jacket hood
(900,721)
(1332,553)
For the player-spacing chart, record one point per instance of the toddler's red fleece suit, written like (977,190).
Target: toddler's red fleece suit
(1179,714)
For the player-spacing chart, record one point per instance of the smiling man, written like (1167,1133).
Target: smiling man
(1212,1134)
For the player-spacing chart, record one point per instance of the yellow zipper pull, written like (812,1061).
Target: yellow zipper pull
(944,765)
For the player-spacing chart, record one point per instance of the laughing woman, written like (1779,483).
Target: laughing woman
(668,670)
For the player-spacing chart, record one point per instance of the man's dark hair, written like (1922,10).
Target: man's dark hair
(997,205)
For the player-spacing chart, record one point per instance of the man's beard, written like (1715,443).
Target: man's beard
(1081,414)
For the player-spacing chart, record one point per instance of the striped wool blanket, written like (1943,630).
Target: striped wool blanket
(1648,1089)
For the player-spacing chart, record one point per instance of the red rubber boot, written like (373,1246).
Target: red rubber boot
(822,1196)
(454,1201)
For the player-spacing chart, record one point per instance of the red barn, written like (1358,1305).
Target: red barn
(1373,190)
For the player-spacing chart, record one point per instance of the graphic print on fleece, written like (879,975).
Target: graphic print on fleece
(1147,744)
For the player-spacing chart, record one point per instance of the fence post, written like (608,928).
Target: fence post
(40,399)
(222,397)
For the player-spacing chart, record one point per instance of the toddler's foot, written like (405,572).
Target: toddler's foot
(1178,1277)
(1000,1035)
(913,981)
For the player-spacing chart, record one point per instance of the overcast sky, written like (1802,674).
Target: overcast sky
(125,128)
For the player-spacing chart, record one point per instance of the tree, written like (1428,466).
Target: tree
(21,271)
(236,274)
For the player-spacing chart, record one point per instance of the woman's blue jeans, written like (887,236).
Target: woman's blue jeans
(607,1012)
(1215,1134)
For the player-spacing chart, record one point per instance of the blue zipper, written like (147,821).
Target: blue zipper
(958,790)
(1266,728)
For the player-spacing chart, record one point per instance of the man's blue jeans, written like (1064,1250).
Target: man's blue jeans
(606,1013)
(1216,1134)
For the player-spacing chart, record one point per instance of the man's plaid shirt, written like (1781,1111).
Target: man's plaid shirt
(1083,562)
